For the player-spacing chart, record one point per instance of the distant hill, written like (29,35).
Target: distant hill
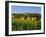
(27,14)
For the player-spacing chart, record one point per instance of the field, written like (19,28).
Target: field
(26,21)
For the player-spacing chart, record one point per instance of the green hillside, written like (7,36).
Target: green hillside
(26,21)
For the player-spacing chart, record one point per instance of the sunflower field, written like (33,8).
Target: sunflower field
(22,22)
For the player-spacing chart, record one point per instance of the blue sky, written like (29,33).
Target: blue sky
(25,9)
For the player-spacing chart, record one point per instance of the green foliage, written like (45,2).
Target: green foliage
(22,23)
